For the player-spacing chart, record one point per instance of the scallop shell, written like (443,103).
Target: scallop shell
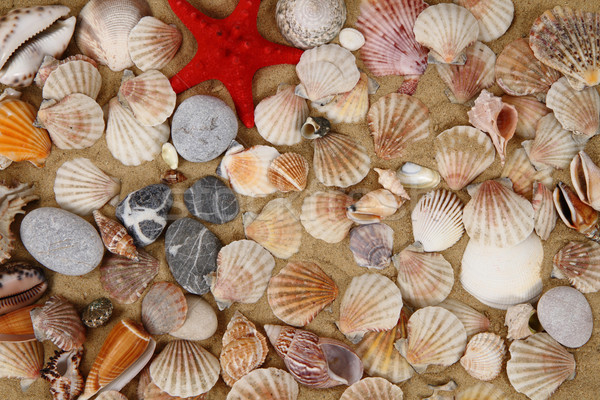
(265,383)
(483,356)
(22,360)
(435,336)
(447,30)
(518,320)
(371,245)
(425,279)
(59,322)
(22,285)
(339,160)
(149,96)
(111,395)
(126,279)
(349,107)
(395,121)
(243,272)
(415,176)
(437,220)
(538,365)
(76,76)
(164,308)
(374,206)
(81,187)
(522,174)
(153,392)
(390,181)
(473,321)
(544,213)
(372,388)
(288,172)
(530,111)
(324,215)
(277,228)
(371,303)
(466,81)
(130,142)
(279,118)
(494,16)
(152,44)
(115,237)
(50,64)
(62,371)
(16,326)
(585,176)
(12,202)
(579,262)
(462,154)
(481,391)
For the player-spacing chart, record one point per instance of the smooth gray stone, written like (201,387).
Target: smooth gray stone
(211,200)
(61,241)
(202,128)
(566,315)
(191,251)
(144,213)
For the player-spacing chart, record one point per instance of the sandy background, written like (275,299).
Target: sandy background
(335,259)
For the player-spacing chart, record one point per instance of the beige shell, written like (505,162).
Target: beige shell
(579,262)
(289,172)
(575,213)
(494,16)
(324,215)
(463,153)
(164,308)
(12,202)
(481,391)
(374,206)
(371,302)
(152,44)
(484,356)
(390,181)
(544,213)
(585,176)
(395,121)
(50,64)
(530,111)
(473,321)
(265,383)
(76,76)
(518,320)
(416,176)
(350,107)
(59,322)
(149,96)
(522,174)
(339,160)
(22,360)
(125,279)
(111,395)
(81,187)
(371,245)
(115,236)
(373,388)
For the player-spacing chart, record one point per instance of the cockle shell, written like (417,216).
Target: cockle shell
(416,176)
(22,360)
(575,213)
(62,371)
(324,215)
(21,285)
(530,111)
(544,213)
(473,321)
(115,237)
(579,262)
(553,146)
(288,172)
(349,107)
(149,96)
(519,320)
(372,388)
(390,181)
(481,391)
(523,175)
(265,383)
(585,176)
(125,279)
(374,206)
(12,201)
(494,16)
(484,356)
(152,44)
(75,76)
(59,322)
(371,245)
(164,308)
(50,64)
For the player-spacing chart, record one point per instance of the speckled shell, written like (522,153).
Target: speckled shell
(62,371)
(22,284)
(59,322)
(149,96)
(288,172)
(530,111)
(126,279)
(22,360)
(339,160)
(522,174)
(349,107)
(247,170)
(484,356)
(585,176)
(115,236)
(75,76)
(164,309)
(544,212)
(494,16)
(152,44)
(481,391)
(324,215)
(473,321)
(373,388)
(12,202)
(371,245)
(579,262)
(265,383)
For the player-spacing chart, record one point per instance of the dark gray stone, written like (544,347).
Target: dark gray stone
(61,241)
(191,251)
(144,213)
(211,200)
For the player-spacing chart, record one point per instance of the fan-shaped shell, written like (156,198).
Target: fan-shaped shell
(349,107)
(371,245)
(339,160)
(371,302)
(76,76)
(522,174)
(22,360)
(164,308)
(585,176)
(288,172)
(247,170)
(125,279)
(265,383)
(543,210)
(462,154)
(50,64)
(473,321)
(59,322)
(553,146)
(579,262)
(149,96)
(372,388)
(530,111)
(115,236)
(437,220)
(483,356)
(481,391)
(494,16)
(324,215)
(395,121)
(81,187)
(374,206)
(152,43)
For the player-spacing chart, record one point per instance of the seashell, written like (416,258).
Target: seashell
(81,187)
(564,39)
(372,388)
(20,140)
(538,365)
(247,170)
(530,111)
(425,279)
(349,107)
(244,349)
(152,44)
(4,162)
(577,111)
(171,177)
(124,353)
(313,361)
(494,16)
(265,383)
(111,395)
(395,121)
(466,81)
(415,176)
(523,175)
(115,237)
(579,262)
(437,220)
(374,206)
(279,118)
(483,356)
(200,322)
(496,216)
(324,215)
(184,369)
(519,319)
(371,303)
(443,392)
(351,39)
(435,336)
(288,172)
(473,321)
(50,64)
(97,313)
(585,176)
(153,392)
(501,277)
(299,292)
(575,213)
(371,245)
(59,322)
(103,29)
(544,213)
(447,30)
(164,309)
(125,279)
(20,285)
(22,360)
(75,76)
(16,326)
(481,391)
(462,154)
(62,371)
(243,272)
(169,155)
(315,128)
(391,182)
(325,71)
(277,228)
(12,201)
(497,119)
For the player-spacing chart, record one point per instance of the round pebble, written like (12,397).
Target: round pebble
(201,321)
(211,200)
(202,128)
(351,39)
(97,313)
(566,315)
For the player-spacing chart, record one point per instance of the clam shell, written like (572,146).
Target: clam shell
(16,326)
(530,111)
(574,213)
(579,262)
(339,160)
(374,206)
(12,202)
(324,215)
(125,279)
(152,44)
(62,371)
(265,383)
(22,360)
(390,181)
(544,213)
(247,170)
(115,237)
(288,172)
(59,322)
(164,308)
(349,107)
(149,96)
(75,76)
(518,320)
(481,391)
(483,356)
(585,176)
(371,245)
(373,388)
(523,175)
(473,321)
(494,16)
(415,176)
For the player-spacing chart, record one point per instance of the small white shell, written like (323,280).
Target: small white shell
(169,155)
(351,39)
(75,76)
(415,176)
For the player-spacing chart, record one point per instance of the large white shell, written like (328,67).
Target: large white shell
(494,16)
(76,76)
(324,215)
(265,383)
(152,43)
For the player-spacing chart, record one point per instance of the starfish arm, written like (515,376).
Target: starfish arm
(246,12)
(188,77)
(241,93)
(273,54)
(189,15)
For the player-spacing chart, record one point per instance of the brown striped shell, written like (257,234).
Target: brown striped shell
(115,237)
(288,172)
(164,308)
(126,279)
(59,322)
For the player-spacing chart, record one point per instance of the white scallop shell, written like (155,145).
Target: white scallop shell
(264,383)
(494,16)
(324,215)
(279,118)
(544,213)
(152,43)
(484,356)
(473,321)
(75,76)
(372,388)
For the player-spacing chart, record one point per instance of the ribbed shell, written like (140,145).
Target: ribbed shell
(373,388)
(184,369)
(22,360)
(111,395)
(339,160)
(481,391)
(538,365)
(437,220)
(247,170)
(265,383)
(59,322)
(76,76)
(288,172)
(425,279)
(494,16)
(349,107)
(484,356)
(544,213)
(243,272)
(164,308)
(579,262)
(81,187)
(125,279)
(279,118)
(12,202)
(371,245)
(585,176)
(396,121)
(462,154)
(50,64)
(324,215)
(299,292)
(496,216)
(530,111)
(153,392)
(473,321)
(149,96)
(371,302)
(523,175)
(22,285)
(152,43)
(115,236)
(16,326)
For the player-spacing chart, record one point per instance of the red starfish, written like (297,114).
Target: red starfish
(230,50)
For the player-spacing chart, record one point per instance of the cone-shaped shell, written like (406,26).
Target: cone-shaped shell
(243,272)
(538,365)
(481,391)
(164,308)
(530,111)
(324,215)
(152,43)
(277,228)
(374,206)
(22,360)
(265,383)
(279,118)
(579,262)
(373,388)
(575,213)
(247,170)
(125,279)
(523,175)
(371,245)
(437,220)
(62,371)
(585,176)
(494,16)
(484,356)
(395,121)
(425,279)
(115,236)
(543,209)
(81,187)
(371,303)
(473,321)
(349,107)
(339,160)
(16,326)
(59,322)
(288,172)
(75,76)
(149,96)
(462,153)
(390,181)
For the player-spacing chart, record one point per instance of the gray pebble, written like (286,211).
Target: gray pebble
(97,313)
(211,200)
(202,128)
(61,241)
